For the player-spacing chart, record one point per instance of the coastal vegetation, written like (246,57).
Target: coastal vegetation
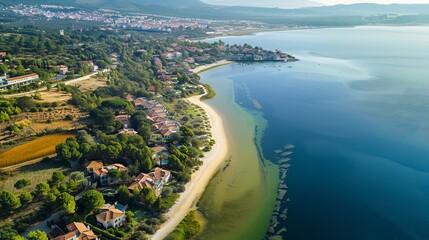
(188,227)
(210,92)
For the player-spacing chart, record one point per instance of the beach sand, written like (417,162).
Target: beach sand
(212,162)
(206,67)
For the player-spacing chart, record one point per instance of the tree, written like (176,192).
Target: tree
(50,201)
(147,196)
(139,235)
(4,117)
(9,201)
(92,200)
(175,164)
(57,177)
(37,235)
(67,202)
(166,191)
(114,174)
(42,188)
(25,103)
(25,197)
(124,195)
(22,183)
(7,232)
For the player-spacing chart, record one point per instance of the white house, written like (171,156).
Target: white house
(111,216)
(17,81)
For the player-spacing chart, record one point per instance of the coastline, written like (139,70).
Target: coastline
(207,67)
(200,179)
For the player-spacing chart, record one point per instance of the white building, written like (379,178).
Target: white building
(17,81)
(111,216)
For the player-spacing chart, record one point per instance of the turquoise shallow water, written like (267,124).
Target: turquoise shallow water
(357,109)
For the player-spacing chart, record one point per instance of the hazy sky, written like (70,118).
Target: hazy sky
(333,2)
(302,3)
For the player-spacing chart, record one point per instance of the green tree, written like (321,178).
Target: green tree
(50,201)
(114,174)
(67,202)
(7,232)
(4,117)
(22,183)
(42,188)
(175,164)
(92,200)
(124,195)
(37,235)
(25,197)
(25,103)
(147,196)
(9,201)
(57,177)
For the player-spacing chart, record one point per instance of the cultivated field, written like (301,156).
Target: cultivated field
(40,147)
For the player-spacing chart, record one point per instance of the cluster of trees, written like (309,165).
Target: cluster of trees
(110,148)
(55,193)
(7,232)
(8,108)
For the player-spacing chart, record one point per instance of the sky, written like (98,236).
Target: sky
(333,2)
(303,3)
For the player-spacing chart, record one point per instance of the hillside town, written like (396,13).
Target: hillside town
(111,19)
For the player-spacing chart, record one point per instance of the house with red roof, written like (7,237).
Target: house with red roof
(111,216)
(101,172)
(154,180)
(77,231)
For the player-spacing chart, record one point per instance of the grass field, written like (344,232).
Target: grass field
(38,148)
(37,173)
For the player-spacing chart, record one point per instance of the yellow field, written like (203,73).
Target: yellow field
(35,149)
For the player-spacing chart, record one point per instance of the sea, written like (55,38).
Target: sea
(334,146)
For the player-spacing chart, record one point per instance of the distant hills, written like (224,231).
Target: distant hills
(266,3)
(338,15)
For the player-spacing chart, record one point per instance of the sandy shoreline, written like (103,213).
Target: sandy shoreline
(212,161)
(206,67)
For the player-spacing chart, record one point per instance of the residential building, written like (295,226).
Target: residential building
(111,216)
(77,231)
(3,54)
(101,172)
(154,180)
(94,165)
(124,119)
(128,131)
(63,69)
(17,81)
(94,67)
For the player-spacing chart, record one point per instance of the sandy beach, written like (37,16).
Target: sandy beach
(212,161)
(203,68)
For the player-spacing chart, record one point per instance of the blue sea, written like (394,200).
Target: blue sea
(356,108)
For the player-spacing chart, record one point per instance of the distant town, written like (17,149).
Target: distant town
(111,19)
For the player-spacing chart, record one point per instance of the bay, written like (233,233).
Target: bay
(356,108)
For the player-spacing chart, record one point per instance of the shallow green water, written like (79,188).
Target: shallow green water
(239,200)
